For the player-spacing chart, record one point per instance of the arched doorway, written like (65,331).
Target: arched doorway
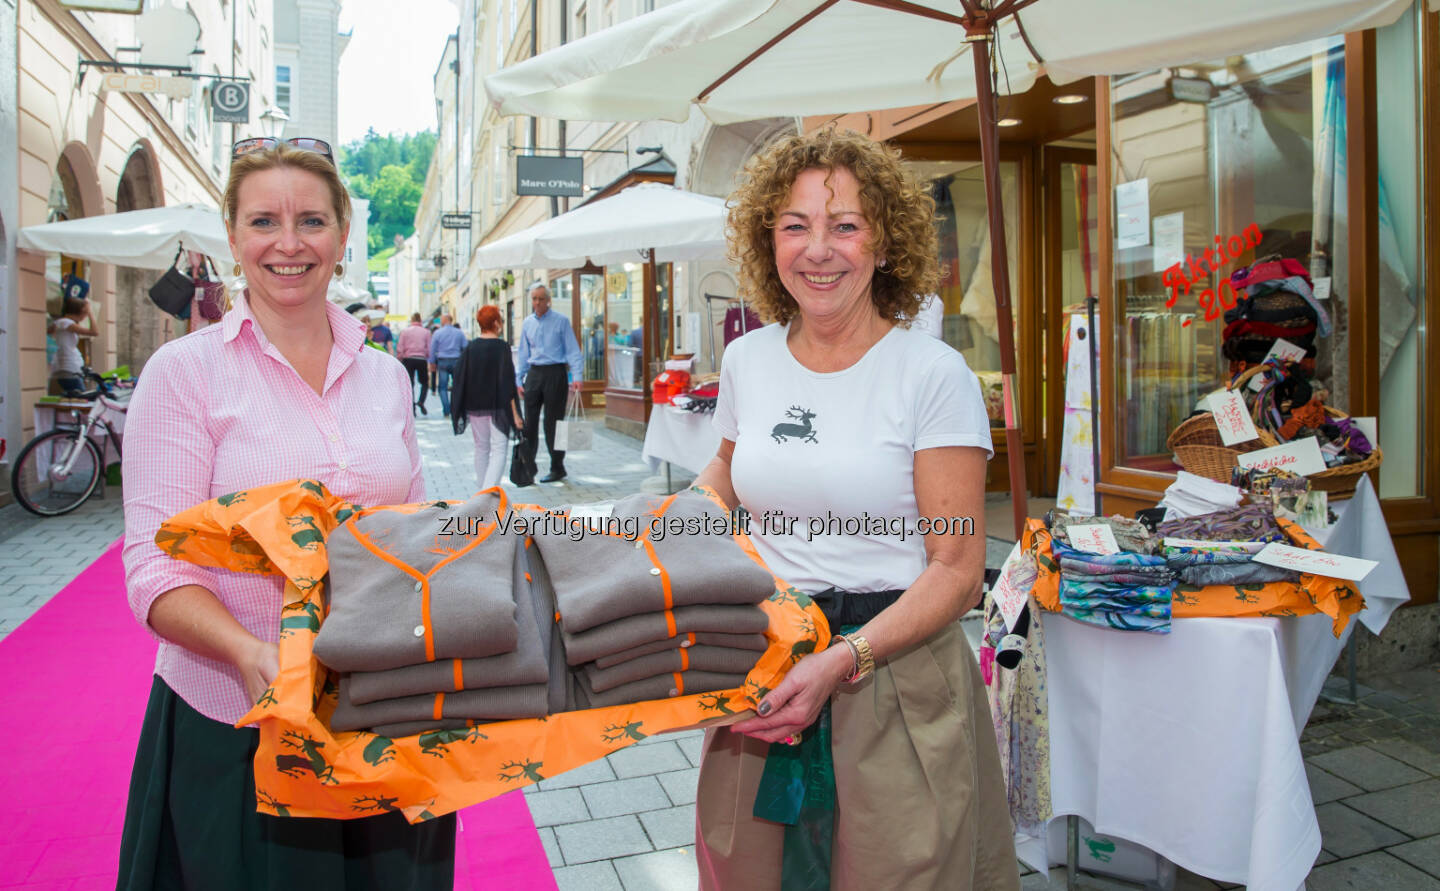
(74,194)
(140,326)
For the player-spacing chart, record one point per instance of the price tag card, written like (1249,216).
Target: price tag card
(1335,566)
(1232,417)
(1093,538)
(1283,350)
(594,515)
(1009,598)
(1322,288)
(1301,456)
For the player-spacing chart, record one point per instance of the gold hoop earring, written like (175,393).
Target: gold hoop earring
(339,270)
(236,270)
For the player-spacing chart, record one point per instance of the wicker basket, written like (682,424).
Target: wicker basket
(1337,482)
(1198,448)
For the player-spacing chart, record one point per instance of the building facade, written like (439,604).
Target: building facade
(308,46)
(83,151)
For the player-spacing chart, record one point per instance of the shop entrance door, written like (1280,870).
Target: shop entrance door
(1069,260)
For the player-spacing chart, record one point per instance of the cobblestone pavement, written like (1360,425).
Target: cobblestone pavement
(628,822)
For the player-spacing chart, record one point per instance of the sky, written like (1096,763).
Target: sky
(387,72)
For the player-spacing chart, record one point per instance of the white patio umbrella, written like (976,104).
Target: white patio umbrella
(739,60)
(650,217)
(145,239)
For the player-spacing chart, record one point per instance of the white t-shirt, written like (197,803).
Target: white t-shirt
(67,347)
(837,449)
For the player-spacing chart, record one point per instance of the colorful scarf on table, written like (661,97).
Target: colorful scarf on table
(1124,591)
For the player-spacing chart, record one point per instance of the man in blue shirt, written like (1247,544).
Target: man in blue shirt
(445,348)
(548,360)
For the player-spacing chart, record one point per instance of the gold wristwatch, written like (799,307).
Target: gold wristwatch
(862,654)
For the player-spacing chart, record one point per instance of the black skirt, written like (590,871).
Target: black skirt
(190,821)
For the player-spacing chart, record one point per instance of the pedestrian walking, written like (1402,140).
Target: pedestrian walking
(842,410)
(413,348)
(445,346)
(549,361)
(382,336)
(483,398)
(269,393)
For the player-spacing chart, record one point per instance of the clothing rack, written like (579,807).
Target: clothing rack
(710,320)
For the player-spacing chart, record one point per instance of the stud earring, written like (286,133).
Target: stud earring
(883,265)
(339,270)
(236,270)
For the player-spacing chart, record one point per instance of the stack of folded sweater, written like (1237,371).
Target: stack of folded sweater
(1274,300)
(437,619)
(672,609)
(1130,590)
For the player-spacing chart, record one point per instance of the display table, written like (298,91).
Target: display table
(686,439)
(1188,743)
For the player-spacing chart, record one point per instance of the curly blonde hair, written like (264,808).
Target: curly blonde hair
(898,208)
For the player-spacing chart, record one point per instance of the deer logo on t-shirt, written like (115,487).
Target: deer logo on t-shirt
(803,429)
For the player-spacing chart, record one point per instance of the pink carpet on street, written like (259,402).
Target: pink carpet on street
(77,675)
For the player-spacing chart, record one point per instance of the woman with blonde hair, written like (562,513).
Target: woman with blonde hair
(484,398)
(283,387)
(838,411)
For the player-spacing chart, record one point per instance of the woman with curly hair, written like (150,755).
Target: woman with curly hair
(859,447)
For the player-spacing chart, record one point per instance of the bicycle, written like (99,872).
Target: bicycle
(59,469)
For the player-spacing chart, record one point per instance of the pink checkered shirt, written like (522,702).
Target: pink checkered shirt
(221,410)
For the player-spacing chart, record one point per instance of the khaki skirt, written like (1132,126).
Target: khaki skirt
(920,798)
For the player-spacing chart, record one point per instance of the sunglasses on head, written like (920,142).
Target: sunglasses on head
(265,143)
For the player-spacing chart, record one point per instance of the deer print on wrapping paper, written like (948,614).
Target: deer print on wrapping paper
(803,430)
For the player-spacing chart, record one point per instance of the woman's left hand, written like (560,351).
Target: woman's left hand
(793,706)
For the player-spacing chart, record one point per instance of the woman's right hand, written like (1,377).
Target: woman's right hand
(259,663)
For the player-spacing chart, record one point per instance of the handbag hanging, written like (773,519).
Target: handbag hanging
(210,291)
(522,469)
(175,291)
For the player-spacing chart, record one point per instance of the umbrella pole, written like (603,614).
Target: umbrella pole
(1000,270)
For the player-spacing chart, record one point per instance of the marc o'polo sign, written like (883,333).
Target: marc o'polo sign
(560,177)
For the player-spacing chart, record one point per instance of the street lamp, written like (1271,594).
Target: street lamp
(273,120)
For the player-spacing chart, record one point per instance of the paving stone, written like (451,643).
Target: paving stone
(680,785)
(1325,786)
(588,877)
(594,772)
(557,806)
(1345,832)
(671,828)
(601,839)
(1411,754)
(691,748)
(629,796)
(1422,853)
(644,760)
(1410,809)
(1371,872)
(1324,857)
(552,847)
(672,870)
(1367,768)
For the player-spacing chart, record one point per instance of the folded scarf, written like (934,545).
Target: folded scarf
(1251,522)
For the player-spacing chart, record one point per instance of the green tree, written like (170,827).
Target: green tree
(389,171)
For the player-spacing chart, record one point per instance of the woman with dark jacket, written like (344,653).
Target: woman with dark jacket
(484,397)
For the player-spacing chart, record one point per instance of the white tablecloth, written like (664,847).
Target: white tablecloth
(1188,743)
(686,439)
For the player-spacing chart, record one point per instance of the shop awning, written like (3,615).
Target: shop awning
(744,59)
(145,239)
(676,224)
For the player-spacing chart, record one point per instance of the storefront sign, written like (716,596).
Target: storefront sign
(1232,417)
(561,177)
(427,287)
(1335,566)
(230,102)
(1301,456)
(617,283)
(1093,538)
(173,87)
(1132,209)
(455,221)
(1180,277)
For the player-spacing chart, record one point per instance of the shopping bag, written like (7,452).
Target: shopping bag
(522,469)
(574,434)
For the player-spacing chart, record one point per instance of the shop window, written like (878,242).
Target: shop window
(966,287)
(624,312)
(282,88)
(1215,167)
(579,30)
(1402,321)
(592,324)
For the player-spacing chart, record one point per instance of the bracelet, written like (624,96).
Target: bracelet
(854,656)
(864,658)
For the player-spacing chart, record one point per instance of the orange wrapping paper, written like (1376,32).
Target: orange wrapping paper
(1336,598)
(303,769)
